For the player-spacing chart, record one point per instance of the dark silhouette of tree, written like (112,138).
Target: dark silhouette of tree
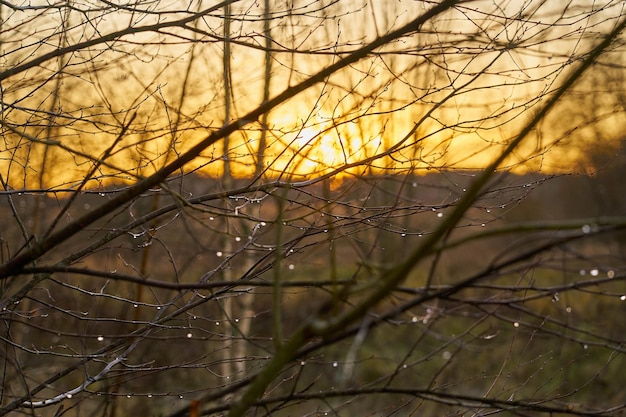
(310,208)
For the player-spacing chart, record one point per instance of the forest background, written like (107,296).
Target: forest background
(312,208)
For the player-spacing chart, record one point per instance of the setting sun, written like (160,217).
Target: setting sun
(296,208)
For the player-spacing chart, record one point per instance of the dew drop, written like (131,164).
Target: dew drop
(211,218)
(189,335)
(568,309)
(302,363)
(237,239)
(100,338)
(440,215)
(594,272)
(149,395)
(68,396)
(291,267)
(128,395)
(446,355)
(623,298)
(610,273)
(219,254)
(414,319)
(403,234)
(582,272)
(135,305)
(263,224)
(335,364)
(516,324)
(586,228)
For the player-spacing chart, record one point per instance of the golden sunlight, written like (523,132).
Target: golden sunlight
(449,98)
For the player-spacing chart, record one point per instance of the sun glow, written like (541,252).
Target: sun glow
(413,107)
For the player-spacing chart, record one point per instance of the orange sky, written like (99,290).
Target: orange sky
(384,101)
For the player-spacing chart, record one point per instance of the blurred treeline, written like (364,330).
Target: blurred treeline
(507,337)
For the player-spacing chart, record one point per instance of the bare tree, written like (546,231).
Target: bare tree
(309,208)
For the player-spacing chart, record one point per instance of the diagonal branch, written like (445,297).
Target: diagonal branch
(318,327)
(13,266)
(113,36)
